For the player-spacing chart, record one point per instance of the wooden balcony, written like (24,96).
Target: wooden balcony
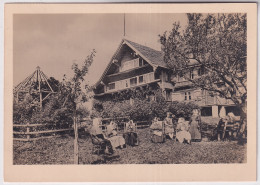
(182,83)
(129,83)
(211,100)
(128,73)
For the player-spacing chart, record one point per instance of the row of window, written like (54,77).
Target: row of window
(138,62)
(146,78)
(187,96)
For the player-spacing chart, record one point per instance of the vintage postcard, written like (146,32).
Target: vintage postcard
(130,92)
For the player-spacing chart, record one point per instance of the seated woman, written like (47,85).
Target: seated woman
(96,133)
(182,134)
(116,140)
(169,130)
(222,129)
(195,122)
(158,131)
(130,135)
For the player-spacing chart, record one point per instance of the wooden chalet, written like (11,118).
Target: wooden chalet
(134,66)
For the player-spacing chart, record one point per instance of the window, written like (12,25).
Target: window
(167,77)
(133,81)
(201,71)
(191,74)
(187,96)
(141,62)
(111,86)
(141,79)
(168,95)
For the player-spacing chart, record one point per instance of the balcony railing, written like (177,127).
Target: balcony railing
(129,65)
(211,100)
(130,82)
(182,83)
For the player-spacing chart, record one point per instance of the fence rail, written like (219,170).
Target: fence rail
(32,125)
(139,124)
(32,132)
(43,132)
(34,139)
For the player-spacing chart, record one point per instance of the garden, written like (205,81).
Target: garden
(60,151)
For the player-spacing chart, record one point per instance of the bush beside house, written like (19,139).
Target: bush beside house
(141,109)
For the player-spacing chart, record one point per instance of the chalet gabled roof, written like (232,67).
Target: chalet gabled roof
(152,56)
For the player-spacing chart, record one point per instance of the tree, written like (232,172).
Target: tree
(73,93)
(218,43)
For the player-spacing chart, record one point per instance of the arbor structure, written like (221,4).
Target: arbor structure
(218,43)
(35,85)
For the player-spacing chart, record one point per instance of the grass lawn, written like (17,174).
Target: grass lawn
(60,151)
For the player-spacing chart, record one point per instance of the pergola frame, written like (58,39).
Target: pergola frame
(26,86)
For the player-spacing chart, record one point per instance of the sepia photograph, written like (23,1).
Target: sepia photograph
(101,89)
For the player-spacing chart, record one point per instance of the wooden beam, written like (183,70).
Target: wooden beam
(46,96)
(39,86)
(23,83)
(33,139)
(33,125)
(42,132)
(46,79)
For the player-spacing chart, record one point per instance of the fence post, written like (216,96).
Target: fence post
(76,147)
(27,131)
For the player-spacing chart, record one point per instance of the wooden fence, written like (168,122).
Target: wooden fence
(32,132)
(122,120)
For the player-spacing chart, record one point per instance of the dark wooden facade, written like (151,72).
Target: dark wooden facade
(134,66)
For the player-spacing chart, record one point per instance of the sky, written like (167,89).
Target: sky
(55,41)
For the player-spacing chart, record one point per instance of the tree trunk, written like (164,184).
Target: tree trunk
(76,147)
(243,124)
(243,115)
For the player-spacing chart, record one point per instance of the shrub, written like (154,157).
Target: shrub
(182,109)
(53,111)
(141,109)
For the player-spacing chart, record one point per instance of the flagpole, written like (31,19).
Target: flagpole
(124,24)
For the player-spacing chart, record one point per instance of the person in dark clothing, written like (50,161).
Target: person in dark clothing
(98,136)
(130,134)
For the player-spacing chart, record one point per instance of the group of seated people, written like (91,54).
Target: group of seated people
(179,129)
(184,131)
(110,139)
